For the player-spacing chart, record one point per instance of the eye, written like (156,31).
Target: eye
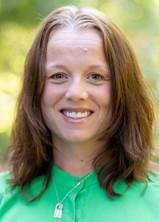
(97,76)
(58,76)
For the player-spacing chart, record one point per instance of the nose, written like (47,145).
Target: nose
(77,91)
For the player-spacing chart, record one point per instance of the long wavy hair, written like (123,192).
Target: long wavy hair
(129,137)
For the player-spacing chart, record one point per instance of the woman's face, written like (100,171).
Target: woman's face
(76,102)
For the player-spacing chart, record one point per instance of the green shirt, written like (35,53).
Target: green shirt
(87,202)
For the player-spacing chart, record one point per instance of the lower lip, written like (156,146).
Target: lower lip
(71,120)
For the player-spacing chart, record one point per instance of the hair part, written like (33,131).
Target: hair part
(129,136)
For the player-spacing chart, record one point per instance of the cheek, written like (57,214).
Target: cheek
(48,102)
(103,96)
(51,94)
(105,106)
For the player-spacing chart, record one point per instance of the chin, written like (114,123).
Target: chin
(77,139)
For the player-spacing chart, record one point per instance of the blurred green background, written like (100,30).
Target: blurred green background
(19,19)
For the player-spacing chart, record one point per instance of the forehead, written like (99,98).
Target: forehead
(76,38)
(70,41)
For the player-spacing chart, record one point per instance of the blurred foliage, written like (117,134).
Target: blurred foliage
(18,23)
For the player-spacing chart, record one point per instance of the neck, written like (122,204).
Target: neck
(76,159)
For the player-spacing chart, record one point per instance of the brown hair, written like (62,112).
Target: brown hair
(129,136)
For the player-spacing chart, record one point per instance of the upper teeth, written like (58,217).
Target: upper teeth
(76,114)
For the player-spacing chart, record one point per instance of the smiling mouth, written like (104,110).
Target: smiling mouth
(76,115)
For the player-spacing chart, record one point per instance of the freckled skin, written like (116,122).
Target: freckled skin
(75,54)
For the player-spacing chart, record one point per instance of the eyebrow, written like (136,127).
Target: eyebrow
(61,66)
(105,67)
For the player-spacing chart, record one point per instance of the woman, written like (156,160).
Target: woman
(82,140)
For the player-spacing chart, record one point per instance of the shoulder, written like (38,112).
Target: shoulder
(4,184)
(147,191)
(4,177)
(153,185)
